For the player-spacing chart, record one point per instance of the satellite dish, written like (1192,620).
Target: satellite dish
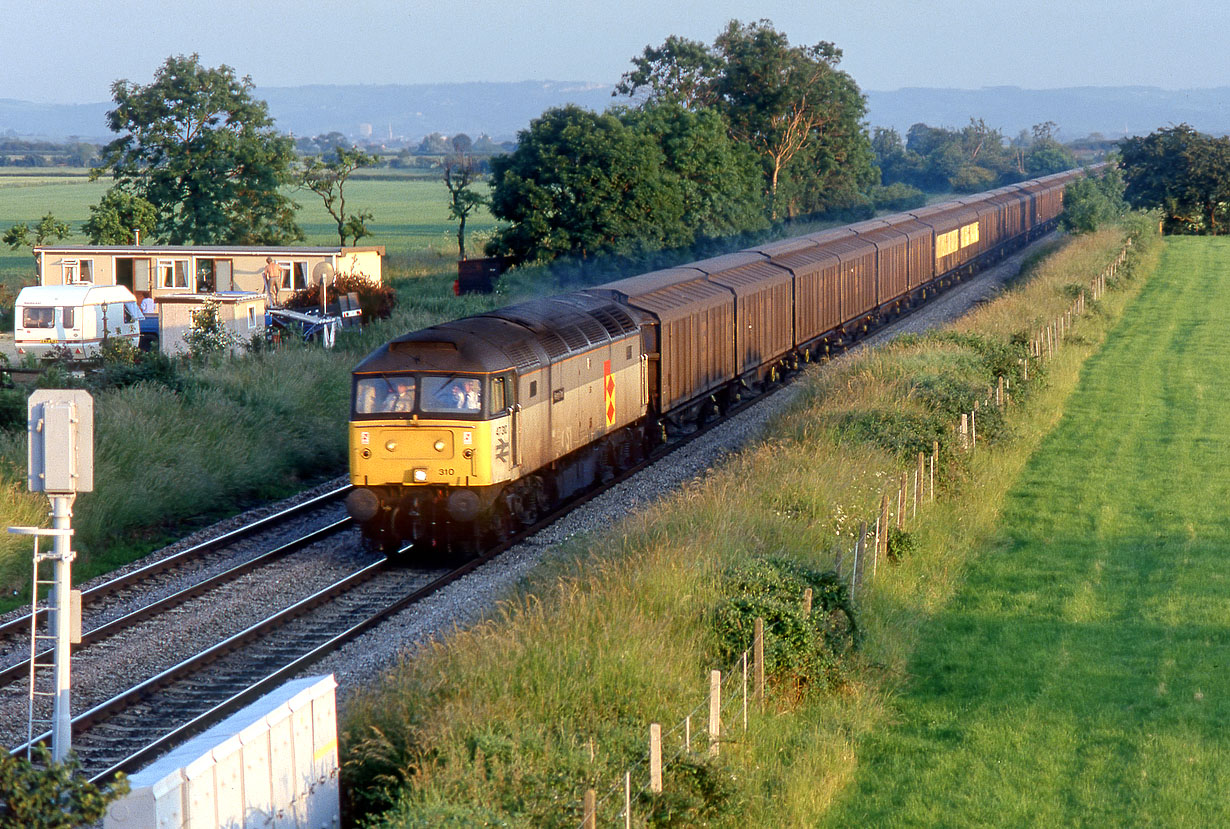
(323,272)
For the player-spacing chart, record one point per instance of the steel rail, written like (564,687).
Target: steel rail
(21,670)
(22,623)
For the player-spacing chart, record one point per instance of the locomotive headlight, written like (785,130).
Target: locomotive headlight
(439,445)
(390,445)
(420,475)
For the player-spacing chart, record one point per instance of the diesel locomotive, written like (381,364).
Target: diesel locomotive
(464,431)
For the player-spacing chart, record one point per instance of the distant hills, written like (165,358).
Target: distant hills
(407,112)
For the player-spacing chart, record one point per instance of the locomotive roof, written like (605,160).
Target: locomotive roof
(524,336)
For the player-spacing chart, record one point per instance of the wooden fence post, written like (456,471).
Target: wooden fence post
(590,820)
(807,603)
(999,392)
(715,711)
(627,800)
(964,430)
(935,456)
(883,524)
(973,427)
(655,758)
(920,481)
(758,651)
(901,503)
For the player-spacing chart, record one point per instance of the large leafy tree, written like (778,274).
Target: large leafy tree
(781,100)
(1183,172)
(581,184)
(198,146)
(716,177)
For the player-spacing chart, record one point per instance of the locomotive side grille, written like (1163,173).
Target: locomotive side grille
(593,330)
(574,337)
(523,356)
(554,344)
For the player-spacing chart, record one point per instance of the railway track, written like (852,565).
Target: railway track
(100,595)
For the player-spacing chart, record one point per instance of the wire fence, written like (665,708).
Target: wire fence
(729,691)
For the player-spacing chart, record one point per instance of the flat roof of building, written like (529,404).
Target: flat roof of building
(253,250)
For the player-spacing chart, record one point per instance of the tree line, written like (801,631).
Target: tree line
(715,139)
(969,160)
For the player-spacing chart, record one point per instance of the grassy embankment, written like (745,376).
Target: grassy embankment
(513,720)
(1077,677)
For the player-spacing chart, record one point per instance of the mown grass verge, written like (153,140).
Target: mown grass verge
(509,722)
(1077,677)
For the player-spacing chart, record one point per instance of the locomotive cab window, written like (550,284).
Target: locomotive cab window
(455,394)
(499,394)
(384,394)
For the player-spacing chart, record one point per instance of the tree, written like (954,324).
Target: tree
(780,98)
(579,184)
(1091,201)
(460,174)
(1183,172)
(198,146)
(115,217)
(49,228)
(679,70)
(327,179)
(717,178)
(1045,154)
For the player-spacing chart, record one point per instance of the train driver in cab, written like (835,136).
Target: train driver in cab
(401,395)
(465,395)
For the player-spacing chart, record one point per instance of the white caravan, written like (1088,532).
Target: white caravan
(73,317)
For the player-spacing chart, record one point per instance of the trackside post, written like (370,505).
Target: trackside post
(60,425)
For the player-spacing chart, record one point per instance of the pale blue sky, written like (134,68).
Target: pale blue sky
(70,51)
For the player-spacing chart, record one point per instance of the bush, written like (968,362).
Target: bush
(799,650)
(900,544)
(47,795)
(897,196)
(376,301)
(208,337)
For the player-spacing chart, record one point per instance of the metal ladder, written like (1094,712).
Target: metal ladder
(44,643)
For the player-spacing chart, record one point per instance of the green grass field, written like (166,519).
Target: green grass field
(411,218)
(1078,677)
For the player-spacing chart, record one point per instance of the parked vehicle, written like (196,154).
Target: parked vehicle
(76,318)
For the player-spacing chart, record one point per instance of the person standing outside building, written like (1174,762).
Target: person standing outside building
(273,279)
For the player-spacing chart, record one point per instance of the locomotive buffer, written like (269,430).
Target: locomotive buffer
(60,423)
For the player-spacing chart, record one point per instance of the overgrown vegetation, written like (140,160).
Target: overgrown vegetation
(47,795)
(1093,201)
(507,723)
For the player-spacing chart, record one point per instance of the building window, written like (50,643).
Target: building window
(173,273)
(251,317)
(70,269)
(294,275)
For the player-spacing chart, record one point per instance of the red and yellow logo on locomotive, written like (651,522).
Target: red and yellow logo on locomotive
(608,386)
